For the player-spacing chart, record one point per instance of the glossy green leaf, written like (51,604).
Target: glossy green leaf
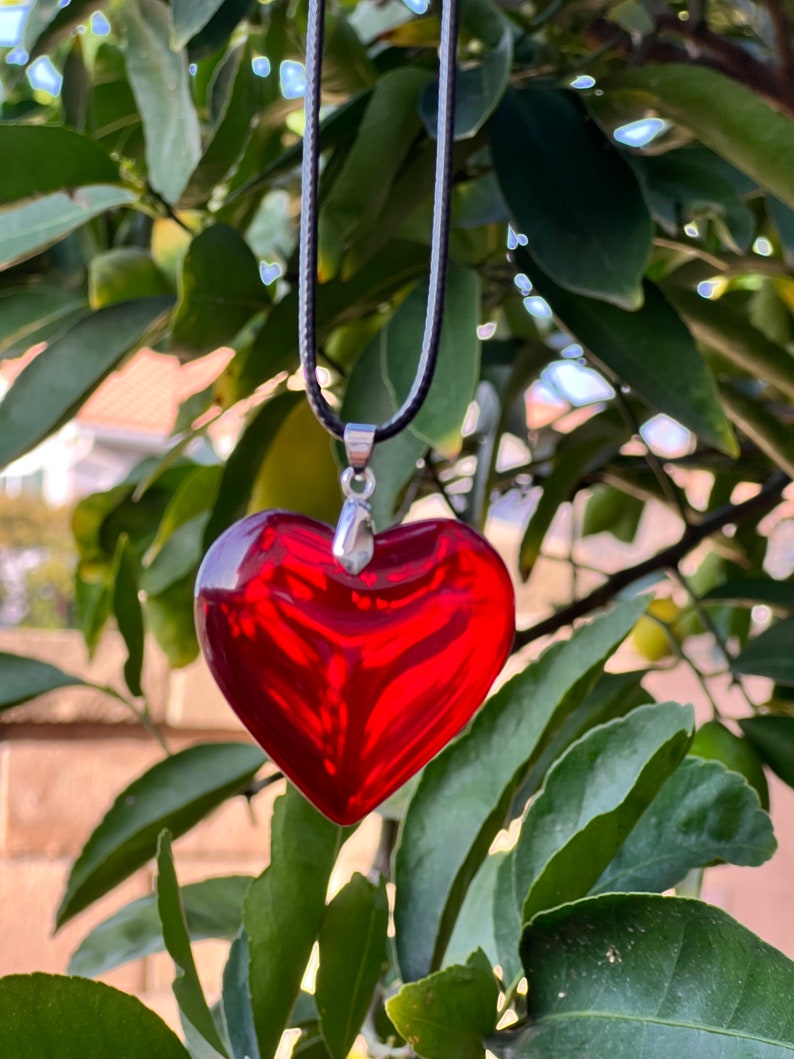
(127,609)
(34,314)
(40,159)
(48,392)
(440,419)
(175,793)
(23,678)
(27,229)
(161,86)
(213,909)
(186,985)
(678,185)
(591,799)
(770,654)
(719,111)
(352,955)
(189,17)
(572,194)
(703,814)
(761,425)
(474,927)
(649,350)
(478,88)
(112,114)
(390,125)
(75,1018)
(219,291)
(714,741)
(449,1012)
(219,28)
(241,468)
(776,594)
(608,510)
(629,974)
(193,497)
(465,793)
(732,336)
(237,1013)
(169,615)
(178,558)
(231,131)
(275,348)
(123,274)
(772,737)
(282,919)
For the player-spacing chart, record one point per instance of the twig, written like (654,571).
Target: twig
(667,558)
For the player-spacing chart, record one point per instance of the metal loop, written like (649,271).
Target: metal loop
(359,442)
(365,482)
(307,272)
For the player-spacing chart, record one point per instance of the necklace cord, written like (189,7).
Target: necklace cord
(307,273)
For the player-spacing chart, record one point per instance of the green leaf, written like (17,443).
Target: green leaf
(27,229)
(189,17)
(769,654)
(275,348)
(450,1012)
(34,314)
(609,510)
(24,678)
(779,595)
(219,28)
(719,111)
(714,741)
(352,954)
(591,799)
(242,466)
(627,975)
(123,274)
(478,88)
(440,419)
(52,387)
(40,159)
(732,336)
(169,615)
(186,985)
(232,129)
(161,86)
(772,738)
(762,426)
(219,291)
(213,909)
(474,927)
(385,136)
(127,609)
(236,1000)
(283,919)
(703,814)
(194,496)
(175,793)
(573,195)
(465,793)
(74,1018)
(649,350)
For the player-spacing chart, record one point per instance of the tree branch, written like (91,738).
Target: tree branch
(667,558)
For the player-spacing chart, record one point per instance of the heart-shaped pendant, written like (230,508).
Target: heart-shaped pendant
(351,684)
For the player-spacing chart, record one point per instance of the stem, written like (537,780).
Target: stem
(143,716)
(667,558)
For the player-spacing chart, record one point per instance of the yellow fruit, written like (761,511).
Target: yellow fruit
(648,637)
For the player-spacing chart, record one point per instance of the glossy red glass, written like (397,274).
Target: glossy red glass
(352,683)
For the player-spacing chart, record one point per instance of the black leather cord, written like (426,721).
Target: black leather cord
(307,277)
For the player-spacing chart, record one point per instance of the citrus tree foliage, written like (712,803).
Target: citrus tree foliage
(617,346)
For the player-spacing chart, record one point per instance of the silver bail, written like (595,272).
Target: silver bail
(354,540)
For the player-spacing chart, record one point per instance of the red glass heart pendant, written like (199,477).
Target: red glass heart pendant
(352,683)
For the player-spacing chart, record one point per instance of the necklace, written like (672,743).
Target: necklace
(352,665)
